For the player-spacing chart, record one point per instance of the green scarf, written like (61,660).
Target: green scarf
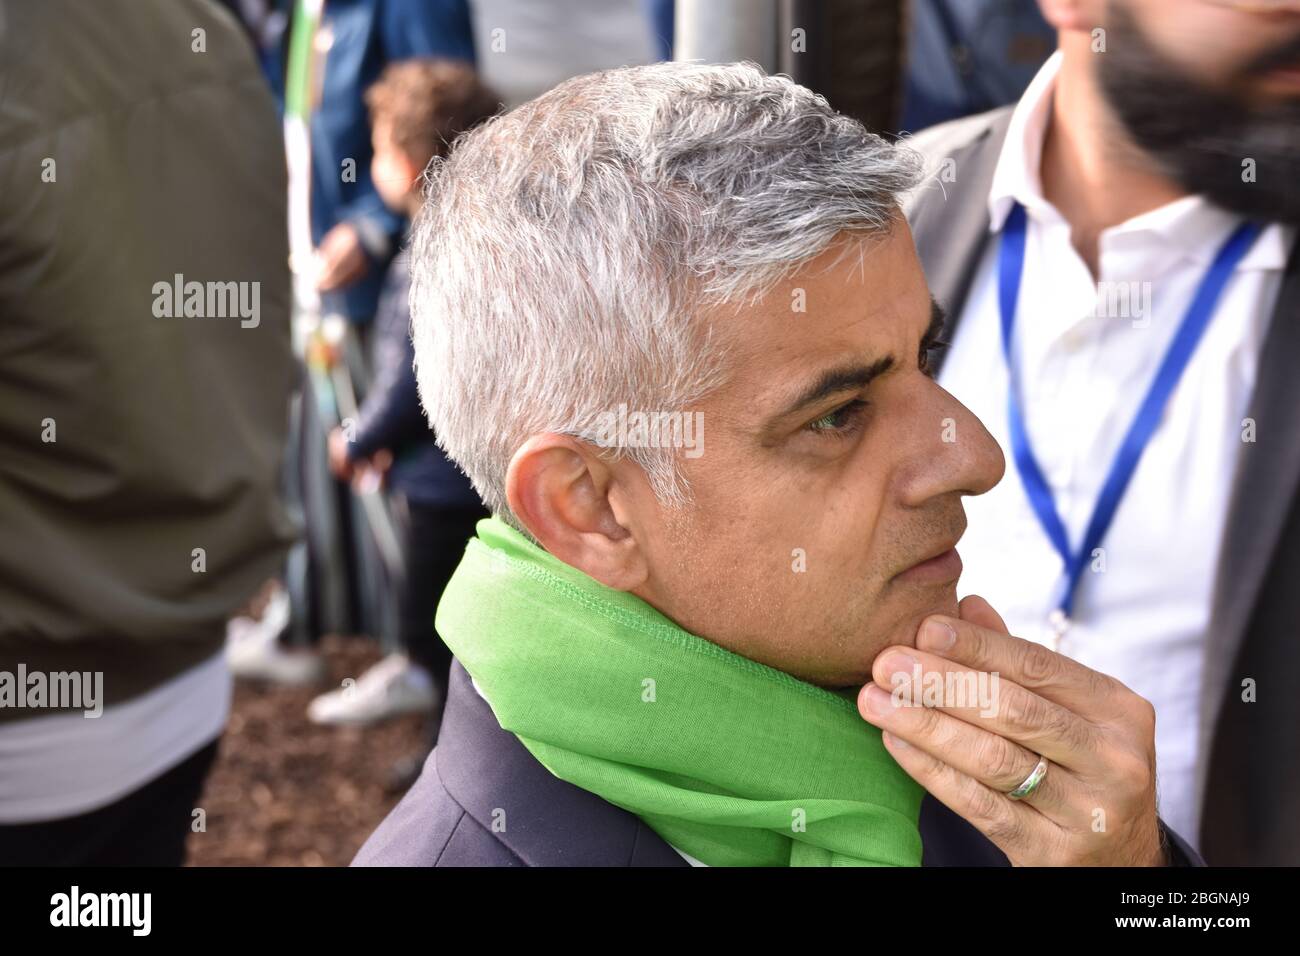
(727,759)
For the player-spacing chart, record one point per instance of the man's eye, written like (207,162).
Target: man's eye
(843,421)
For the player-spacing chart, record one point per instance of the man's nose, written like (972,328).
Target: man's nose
(964,457)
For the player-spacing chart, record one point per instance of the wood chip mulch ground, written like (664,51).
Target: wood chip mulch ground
(286,792)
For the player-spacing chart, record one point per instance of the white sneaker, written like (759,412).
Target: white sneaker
(253,648)
(393,687)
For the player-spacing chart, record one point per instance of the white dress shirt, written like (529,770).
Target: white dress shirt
(1142,616)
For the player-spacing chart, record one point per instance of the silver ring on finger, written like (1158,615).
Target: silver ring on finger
(1036,776)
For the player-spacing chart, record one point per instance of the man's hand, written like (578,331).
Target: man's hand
(1097,804)
(342,260)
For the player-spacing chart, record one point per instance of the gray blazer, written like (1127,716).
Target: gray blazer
(1249,762)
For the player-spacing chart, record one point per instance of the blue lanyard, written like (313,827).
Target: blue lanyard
(1011,262)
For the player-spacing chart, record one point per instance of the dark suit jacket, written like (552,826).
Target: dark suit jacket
(484,800)
(1249,762)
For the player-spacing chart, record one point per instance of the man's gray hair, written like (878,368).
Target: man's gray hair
(567,249)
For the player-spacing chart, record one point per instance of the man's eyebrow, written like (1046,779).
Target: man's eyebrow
(834,381)
(855,377)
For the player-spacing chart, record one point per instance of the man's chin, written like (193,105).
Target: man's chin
(902,624)
(919,602)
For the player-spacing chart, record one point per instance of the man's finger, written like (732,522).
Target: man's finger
(1000,764)
(975,609)
(1054,676)
(1013,827)
(992,702)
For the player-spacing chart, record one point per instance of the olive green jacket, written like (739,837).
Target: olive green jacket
(140,454)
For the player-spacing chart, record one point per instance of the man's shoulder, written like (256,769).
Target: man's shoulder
(485,800)
(428,827)
(958,154)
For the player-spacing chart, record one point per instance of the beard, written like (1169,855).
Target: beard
(1202,137)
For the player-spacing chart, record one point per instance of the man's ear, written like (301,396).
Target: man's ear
(559,489)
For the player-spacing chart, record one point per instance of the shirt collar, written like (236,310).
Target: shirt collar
(1015,178)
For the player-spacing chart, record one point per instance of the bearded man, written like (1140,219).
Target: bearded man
(1117,254)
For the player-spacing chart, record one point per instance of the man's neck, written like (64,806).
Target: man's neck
(1091,170)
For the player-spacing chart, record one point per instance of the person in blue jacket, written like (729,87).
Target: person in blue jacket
(355,233)
(419,107)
